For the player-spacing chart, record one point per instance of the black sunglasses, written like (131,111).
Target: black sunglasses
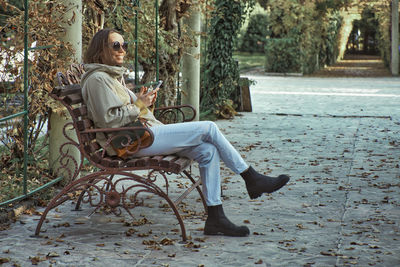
(116,46)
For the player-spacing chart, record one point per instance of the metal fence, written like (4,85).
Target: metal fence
(24,115)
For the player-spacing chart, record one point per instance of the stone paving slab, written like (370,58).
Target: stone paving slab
(341,208)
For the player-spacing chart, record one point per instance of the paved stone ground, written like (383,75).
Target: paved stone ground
(338,138)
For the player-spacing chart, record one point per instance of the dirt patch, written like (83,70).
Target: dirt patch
(13,211)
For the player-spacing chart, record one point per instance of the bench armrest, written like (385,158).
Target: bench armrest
(175,114)
(113,133)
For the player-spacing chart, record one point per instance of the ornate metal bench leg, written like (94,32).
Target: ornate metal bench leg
(177,214)
(80,198)
(147,185)
(56,201)
(108,195)
(61,197)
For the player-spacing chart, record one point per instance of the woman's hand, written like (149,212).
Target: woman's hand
(147,97)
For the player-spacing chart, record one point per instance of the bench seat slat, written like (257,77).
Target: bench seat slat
(142,162)
(167,161)
(181,164)
(61,91)
(97,157)
(155,161)
(84,124)
(80,111)
(111,162)
(93,147)
(88,137)
(131,162)
(73,99)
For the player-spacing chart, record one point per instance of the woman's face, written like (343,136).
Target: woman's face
(114,54)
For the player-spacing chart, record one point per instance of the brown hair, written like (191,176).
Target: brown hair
(97,45)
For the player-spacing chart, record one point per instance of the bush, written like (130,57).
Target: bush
(255,37)
(282,55)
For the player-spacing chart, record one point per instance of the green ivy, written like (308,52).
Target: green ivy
(221,74)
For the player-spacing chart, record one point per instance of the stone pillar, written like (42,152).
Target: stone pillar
(74,30)
(57,120)
(395,37)
(191,64)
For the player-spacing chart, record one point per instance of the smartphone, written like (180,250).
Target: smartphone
(157,86)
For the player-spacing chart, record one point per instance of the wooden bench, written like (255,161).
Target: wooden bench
(102,189)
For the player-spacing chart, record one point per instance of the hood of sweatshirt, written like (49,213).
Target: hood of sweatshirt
(114,71)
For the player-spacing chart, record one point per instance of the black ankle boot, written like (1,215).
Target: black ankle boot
(257,184)
(217,224)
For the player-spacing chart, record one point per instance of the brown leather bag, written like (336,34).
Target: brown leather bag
(134,138)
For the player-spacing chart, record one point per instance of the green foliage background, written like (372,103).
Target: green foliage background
(255,37)
(303,35)
(313,26)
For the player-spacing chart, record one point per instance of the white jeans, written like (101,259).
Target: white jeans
(203,142)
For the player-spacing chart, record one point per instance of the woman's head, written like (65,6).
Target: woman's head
(106,47)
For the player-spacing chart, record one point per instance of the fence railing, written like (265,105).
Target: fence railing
(24,114)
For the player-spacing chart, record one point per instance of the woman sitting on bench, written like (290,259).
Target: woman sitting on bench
(110,104)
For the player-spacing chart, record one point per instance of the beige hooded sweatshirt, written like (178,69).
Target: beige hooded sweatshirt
(110,104)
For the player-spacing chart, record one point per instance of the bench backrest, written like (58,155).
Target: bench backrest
(69,93)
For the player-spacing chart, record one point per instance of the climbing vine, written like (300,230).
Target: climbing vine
(221,75)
